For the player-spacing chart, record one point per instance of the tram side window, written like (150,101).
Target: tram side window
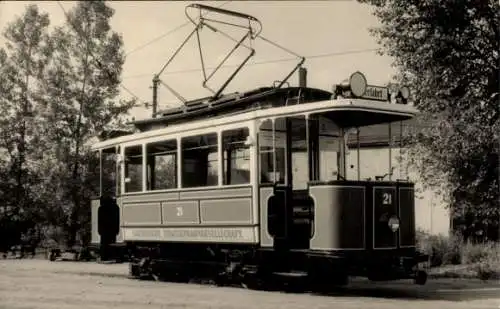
(109,178)
(162,165)
(200,161)
(272,149)
(133,169)
(236,157)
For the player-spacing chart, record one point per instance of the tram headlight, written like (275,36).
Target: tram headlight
(393,223)
(355,86)
(358,84)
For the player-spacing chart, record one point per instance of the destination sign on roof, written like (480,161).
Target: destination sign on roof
(358,87)
(376,93)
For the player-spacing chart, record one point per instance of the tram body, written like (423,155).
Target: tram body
(255,184)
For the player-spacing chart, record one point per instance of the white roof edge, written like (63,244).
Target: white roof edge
(306,108)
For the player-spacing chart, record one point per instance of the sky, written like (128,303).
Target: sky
(335,32)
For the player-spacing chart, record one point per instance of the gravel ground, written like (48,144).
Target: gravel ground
(42,284)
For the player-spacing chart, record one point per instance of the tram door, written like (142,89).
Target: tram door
(108,215)
(284,162)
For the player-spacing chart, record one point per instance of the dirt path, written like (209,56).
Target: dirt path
(42,284)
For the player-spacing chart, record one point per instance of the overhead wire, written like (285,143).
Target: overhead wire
(333,54)
(268,61)
(197,70)
(264,62)
(137,48)
(156,39)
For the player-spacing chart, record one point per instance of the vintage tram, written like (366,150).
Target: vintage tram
(252,186)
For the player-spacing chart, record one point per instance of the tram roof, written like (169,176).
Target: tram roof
(345,112)
(228,104)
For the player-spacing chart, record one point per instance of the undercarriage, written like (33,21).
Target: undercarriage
(258,268)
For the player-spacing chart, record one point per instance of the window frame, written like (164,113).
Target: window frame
(175,153)
(181,151)
(117,171)
(249,124)
(124,169)
(309,117)
(247,149)
(273,131)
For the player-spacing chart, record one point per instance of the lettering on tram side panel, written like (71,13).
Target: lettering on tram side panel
(143,233)
(204,233)
(244,234)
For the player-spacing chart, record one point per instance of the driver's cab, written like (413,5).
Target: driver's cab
(309,196)
(292,152)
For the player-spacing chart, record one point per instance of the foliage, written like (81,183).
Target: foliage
(478,253)
(452,257)
(80,86)
(447,51)
(443,250)
(489,269)
(22,63)
(58,91)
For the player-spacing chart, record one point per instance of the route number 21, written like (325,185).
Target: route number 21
(387,199)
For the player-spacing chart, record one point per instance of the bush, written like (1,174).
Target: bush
(484,258)
(488,271)
(443,250)
(478,253)
(479,260)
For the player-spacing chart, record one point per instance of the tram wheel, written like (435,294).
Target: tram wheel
(421,277)
(134,270)
(252,281)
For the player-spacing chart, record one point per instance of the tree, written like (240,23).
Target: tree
(22,63)
(80,90)
(447,51)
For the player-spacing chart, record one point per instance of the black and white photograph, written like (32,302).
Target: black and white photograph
(249,154)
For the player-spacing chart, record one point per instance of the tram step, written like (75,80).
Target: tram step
(291,274)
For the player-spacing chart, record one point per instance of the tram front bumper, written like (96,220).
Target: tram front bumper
(396,268)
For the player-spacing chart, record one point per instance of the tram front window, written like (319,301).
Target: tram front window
(299,157)
(307,148)
(272,149)
(327,151)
